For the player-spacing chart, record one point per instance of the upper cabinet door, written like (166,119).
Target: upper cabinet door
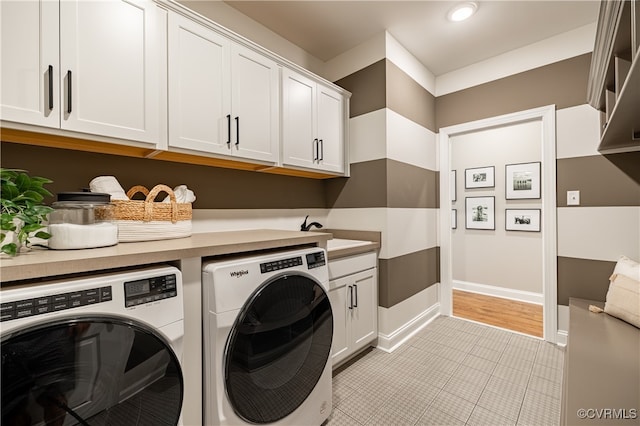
(299,140)
(199,87)
(255,104)
(330,129)
(313,124)
(113,69)
(29,60)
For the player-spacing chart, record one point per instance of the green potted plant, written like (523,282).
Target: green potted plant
(23,213)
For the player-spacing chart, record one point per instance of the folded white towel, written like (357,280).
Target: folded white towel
(183,195)
(108,185)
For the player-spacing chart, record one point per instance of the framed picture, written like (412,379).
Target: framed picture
(454,219)
(482,177)
(453,184)
(522,220)
(480,213)
(523,181)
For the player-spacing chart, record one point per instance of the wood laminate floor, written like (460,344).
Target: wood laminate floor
(504,313)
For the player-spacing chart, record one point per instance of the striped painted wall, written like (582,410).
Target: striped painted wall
(393,188)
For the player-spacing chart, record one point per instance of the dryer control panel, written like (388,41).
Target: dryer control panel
(149,290)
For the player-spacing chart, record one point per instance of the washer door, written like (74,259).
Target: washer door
(278,348)
(97,371)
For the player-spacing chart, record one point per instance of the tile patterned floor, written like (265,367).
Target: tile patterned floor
(453,372)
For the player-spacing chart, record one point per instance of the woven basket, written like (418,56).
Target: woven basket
(146,220)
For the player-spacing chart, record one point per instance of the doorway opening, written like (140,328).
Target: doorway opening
(490,231)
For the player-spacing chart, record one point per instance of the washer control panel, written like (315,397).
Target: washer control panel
(315,260)
(276,265)
(56,302)
(149,290)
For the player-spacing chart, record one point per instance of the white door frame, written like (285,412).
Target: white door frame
(547,115)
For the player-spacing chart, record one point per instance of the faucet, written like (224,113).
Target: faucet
(305,227)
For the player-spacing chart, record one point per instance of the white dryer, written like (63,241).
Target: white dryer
(268,328)
(104,349)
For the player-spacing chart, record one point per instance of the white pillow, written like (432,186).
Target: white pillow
(628,267)
(623,299)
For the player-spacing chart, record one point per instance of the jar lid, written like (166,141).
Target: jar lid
(86,197)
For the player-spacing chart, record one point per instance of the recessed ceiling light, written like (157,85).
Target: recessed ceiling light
(462,11)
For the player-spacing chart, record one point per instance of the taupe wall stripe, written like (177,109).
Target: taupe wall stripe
(411,187)
(562,83)
(384,183)
(404,276)
(215,188)
(583,278)
(600,181)
(367,186)
(367,87)
(409,99)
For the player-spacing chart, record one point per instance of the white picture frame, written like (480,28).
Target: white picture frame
(453,192)
(523,181)
(527,220)
(480,213)
(479,177)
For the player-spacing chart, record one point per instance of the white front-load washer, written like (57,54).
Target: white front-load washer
(268,328)
(104,349)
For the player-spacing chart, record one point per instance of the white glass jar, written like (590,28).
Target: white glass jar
(82,220)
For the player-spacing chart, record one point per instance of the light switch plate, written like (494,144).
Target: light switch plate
(573,198)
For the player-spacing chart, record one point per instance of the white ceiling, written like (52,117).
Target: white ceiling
(327,28)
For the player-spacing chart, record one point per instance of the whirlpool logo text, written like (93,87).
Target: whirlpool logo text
(238,274)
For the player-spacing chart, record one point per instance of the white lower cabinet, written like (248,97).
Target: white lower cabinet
(353,293)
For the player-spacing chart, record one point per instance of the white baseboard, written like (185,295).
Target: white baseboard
(505,293)
(390,342)
(561,340)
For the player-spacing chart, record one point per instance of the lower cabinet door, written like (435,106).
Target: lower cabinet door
(338,300)
(364,315)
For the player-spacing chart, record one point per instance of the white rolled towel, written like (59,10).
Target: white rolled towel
(183,195)
(108,185)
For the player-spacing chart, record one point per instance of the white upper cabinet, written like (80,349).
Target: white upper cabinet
(313,124)
(29,58)
(199,90)
(223,97)
(255,105)
(113,68)
(96,67)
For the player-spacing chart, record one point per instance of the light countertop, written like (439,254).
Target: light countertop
(40,263)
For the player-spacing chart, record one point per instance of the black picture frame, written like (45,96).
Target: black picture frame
(480,213)
(523,181)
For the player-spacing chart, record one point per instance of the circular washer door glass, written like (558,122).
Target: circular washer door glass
(90,371)
(278,348)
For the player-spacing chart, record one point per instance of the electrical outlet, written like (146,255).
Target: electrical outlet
(573,198)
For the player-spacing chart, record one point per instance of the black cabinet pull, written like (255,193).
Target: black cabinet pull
(237,131)
(321,151)
(350,297)
(315,149)
(69,92)
(50,72)
(229,130)
(355,304)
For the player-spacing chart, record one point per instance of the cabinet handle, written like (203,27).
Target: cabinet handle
(69,92)
(350,297)
(315,149)
(355,304)
(229,130)
(321,151)
(50,72)
(237,131)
